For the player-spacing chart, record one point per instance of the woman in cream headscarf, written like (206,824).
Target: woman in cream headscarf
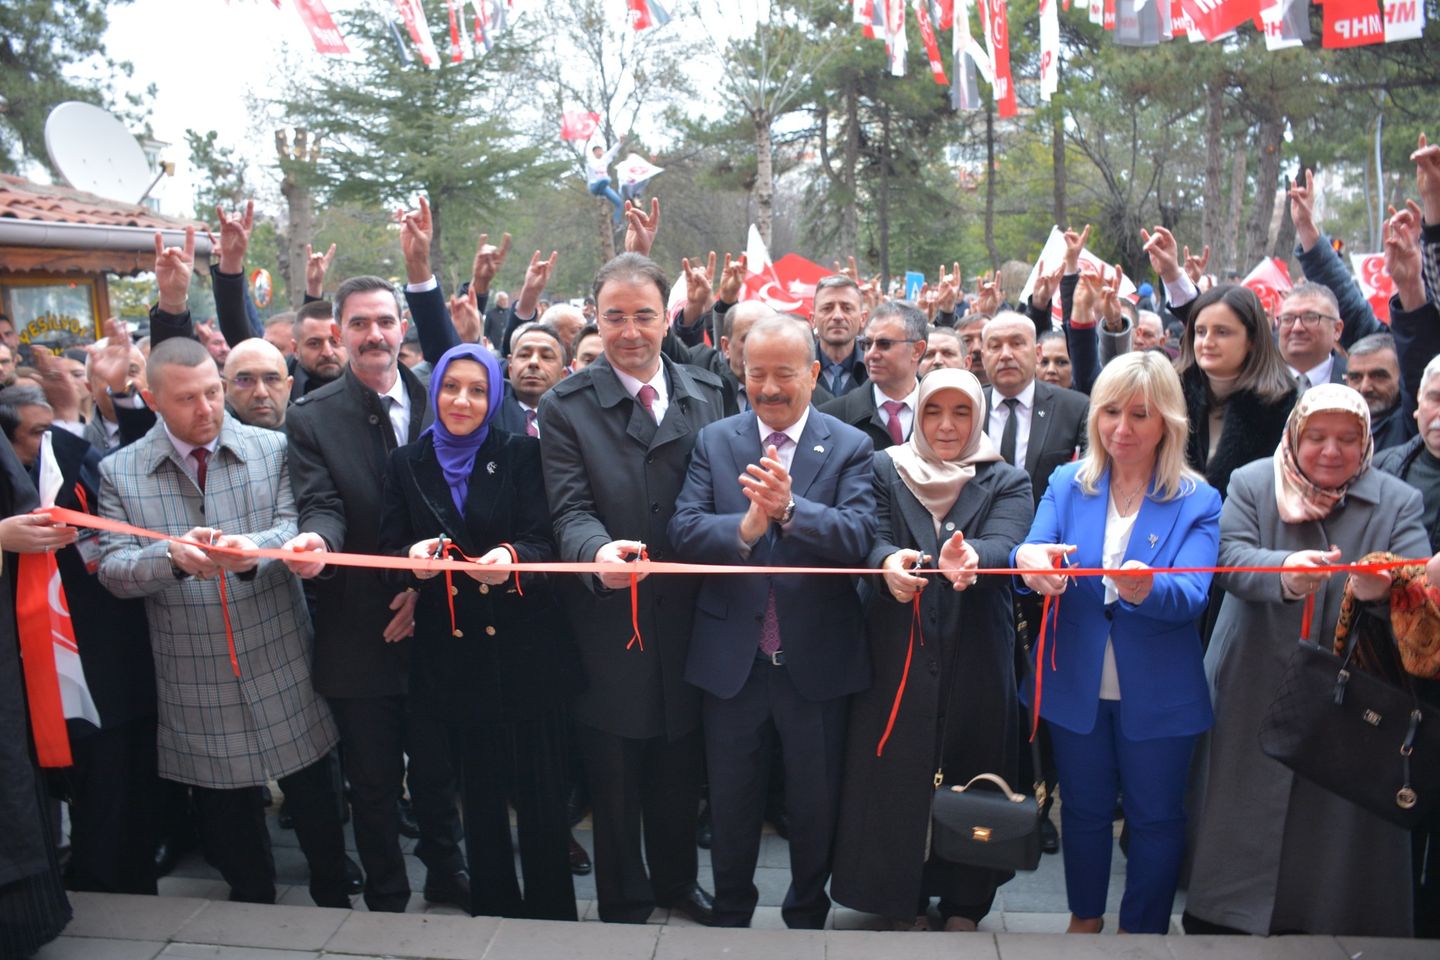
(1274,853)
(944,498)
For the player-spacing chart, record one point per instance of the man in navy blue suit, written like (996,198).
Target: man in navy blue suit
(776,656)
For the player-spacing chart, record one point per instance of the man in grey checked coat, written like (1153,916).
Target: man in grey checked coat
(229,718)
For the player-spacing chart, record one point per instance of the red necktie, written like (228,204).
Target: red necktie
(646,396)
(892,423)
(201,455)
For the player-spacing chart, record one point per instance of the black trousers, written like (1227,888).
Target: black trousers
(376,733)
(524,762)
(237,840)
(114,794)
(651,785)
(742,735)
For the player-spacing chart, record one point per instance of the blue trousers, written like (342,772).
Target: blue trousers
(602,188)
(1149,776)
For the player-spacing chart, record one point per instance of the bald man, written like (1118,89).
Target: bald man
(257,383)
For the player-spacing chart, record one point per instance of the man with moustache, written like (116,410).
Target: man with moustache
(777,657)
(538,361)
(340,437)
(1373,370)
(893,345)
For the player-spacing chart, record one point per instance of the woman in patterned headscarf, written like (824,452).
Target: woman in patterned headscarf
(1274,853)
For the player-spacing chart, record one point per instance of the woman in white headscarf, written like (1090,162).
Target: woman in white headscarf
(1274,853)
(944,499)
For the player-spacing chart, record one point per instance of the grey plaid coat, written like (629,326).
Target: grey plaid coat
(217,730)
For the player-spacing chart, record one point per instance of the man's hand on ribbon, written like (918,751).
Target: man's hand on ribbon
(619,552)
(305,543)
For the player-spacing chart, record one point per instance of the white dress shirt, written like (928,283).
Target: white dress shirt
(632,386)
(399,410)
(999,413)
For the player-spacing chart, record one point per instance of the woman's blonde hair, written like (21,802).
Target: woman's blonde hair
(1149,376)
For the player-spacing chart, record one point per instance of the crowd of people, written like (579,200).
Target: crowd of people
(923,440)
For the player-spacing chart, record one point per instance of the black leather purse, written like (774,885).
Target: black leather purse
(1355,734)
(997,829)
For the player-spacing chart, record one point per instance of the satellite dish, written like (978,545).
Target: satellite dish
(94,152)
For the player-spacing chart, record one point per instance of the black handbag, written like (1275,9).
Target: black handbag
(981,827)
(1355,734)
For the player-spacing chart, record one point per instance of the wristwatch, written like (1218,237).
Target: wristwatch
(174,567)
(789,512)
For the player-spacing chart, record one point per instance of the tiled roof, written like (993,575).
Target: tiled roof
(22,199)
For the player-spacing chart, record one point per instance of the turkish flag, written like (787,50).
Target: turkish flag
(787,285)
(578,124)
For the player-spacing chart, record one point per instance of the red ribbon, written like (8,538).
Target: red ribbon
(635,638)
(1049,613)
(916,625)
(229,633)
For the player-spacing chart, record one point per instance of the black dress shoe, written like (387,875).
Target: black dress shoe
(453,889)
(579,859)
(354,878)
(1049,837)
(697,905)
(408,826)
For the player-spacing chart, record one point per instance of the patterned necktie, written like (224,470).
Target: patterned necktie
(201,455)
(530,429)
(892,422)
(646,396)
(1011,432)
(770,625)
(1302,381)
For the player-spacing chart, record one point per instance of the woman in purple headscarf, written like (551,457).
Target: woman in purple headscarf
(490,649)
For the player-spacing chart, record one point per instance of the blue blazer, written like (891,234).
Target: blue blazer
(1157,642)
(821,627)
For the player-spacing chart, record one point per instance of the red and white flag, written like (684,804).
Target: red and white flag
(413,13)
(644,14)
(1052,255)
(1352,23)
(323,32)
(997,38)
(457,49)
(932,47)
(1215,18)
(896,44)
(577,123)
(634,170)
(1404,19)
(1049,48)
(1271,281)
(1375,282)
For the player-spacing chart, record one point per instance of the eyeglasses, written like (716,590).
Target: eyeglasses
(1308,319)
(247,381)
(643,320)
(880,343)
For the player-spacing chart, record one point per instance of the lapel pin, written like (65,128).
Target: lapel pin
(1153,540)
(490,468)
(819,449)
(1039,413)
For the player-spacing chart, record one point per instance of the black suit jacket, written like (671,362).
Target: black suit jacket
(612,473)
(511,416)
(514,658)
(857,409)
(340,439)
(1057,431)
(112,634)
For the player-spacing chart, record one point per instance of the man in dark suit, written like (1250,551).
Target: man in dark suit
(777,657)
(839,315)
(615,439)
(1036,426)
(340,438)
(893,346)
(319,355)
(539,359)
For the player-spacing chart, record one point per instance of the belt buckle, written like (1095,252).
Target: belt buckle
(777,659)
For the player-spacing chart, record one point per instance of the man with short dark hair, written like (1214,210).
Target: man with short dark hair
(1373,369)
(320,357)
(894,343)
(838,315)
(615,439)
(235,698)
(943,350)
(538,361)
(7,366)
(340,437)
(586,348)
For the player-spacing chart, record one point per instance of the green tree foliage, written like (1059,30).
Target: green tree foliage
(41,44)
(390,130)
(220,174)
